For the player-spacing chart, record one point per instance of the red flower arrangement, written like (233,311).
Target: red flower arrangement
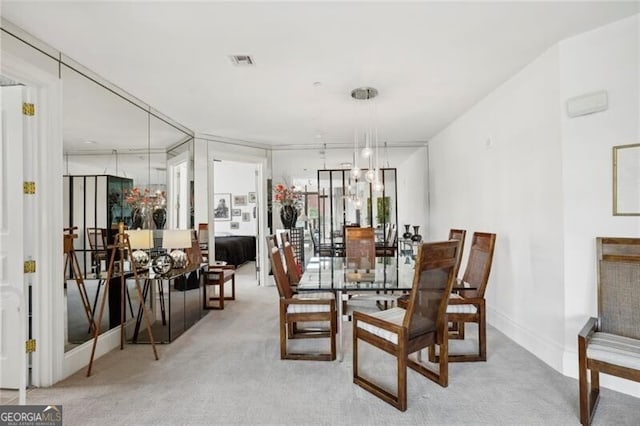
(287,195)
(137,198)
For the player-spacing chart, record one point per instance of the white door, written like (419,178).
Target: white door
(12,315)
(178,193)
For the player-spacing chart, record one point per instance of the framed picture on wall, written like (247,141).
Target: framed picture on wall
(246,217)
(252,197)
(239,200)
(236,212)
(235,225)
(222,210)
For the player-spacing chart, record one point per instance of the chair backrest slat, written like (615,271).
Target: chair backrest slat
(282,282)
(479,261)
(432,283)
(619,286)
(460,235)
(292,265)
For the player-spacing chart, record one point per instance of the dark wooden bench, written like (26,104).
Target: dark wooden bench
(217,276)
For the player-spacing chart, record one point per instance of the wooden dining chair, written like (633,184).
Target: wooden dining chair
(360,248)
(469,305)
(610,343)
(454,234)
(303,308)
(402,332)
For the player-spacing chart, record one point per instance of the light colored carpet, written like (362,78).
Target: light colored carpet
(227,370)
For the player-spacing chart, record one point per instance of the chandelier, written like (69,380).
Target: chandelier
(367,133)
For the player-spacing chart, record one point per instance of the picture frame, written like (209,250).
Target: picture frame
(626,178)
(235,225)
(222,211)
(252,197)
(236,212)
(246,217)
(239,200)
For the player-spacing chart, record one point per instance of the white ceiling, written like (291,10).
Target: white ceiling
(431,61)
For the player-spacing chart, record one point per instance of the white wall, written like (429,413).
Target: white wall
(603,59)
(515,164)
(236,178)
(497,169)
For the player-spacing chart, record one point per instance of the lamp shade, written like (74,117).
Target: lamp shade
(176,239)
(141,239)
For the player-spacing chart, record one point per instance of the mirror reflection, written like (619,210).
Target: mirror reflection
(116,171)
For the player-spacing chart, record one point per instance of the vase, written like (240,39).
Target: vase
(159,217)
(407,234)
(141,218)
(288,216)
(416,234)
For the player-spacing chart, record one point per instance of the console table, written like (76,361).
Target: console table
(174,300)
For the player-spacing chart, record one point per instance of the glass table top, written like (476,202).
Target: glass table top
(387,273)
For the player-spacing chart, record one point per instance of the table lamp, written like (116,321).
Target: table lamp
(140,240)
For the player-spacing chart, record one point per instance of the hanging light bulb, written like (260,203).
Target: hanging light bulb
(355,172)
(366,152)
(357,202)
(370,175)
(378,186)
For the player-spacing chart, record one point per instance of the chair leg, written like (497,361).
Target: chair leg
(402,381)
(482,332)
(589,392)
(233,288)
(444,362)
(283,332)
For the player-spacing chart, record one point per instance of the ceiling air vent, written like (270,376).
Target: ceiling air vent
(241,60)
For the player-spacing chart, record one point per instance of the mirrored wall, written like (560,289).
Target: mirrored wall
(124,162)
(346,201)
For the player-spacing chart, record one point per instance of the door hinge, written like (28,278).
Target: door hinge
(29,266)
(30,346)
(28,109)
(29,188)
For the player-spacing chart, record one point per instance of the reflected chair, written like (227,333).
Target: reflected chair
(98,244)
(301,308)
(469,305)
(610,343)
(203,238)
(402,332)
(319,248)
(388,247)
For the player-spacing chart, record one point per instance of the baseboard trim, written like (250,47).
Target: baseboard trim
(550,352)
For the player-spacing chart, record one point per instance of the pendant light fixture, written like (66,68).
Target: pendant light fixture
(370,136)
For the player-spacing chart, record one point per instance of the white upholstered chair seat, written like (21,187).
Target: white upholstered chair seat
(303,308)
(614,349)
(461,309)
(393,315)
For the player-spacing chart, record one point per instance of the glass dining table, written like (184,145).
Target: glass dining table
(388,278)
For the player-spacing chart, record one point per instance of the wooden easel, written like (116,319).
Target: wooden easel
(121,244)
(71,262)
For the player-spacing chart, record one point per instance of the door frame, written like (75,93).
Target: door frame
(244,155)
(44,165)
